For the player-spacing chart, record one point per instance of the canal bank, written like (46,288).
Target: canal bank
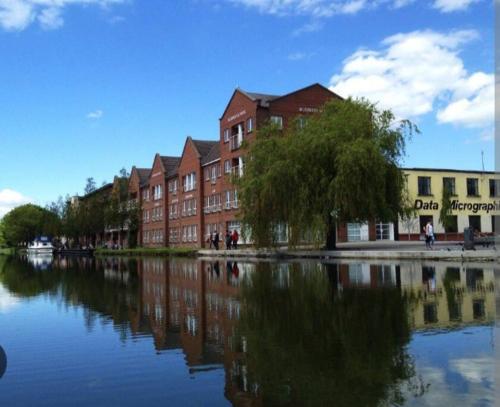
(446,251)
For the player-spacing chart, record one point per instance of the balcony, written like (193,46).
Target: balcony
(235,142)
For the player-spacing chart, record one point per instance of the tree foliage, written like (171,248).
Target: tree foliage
(445,213)
(339,165)
(24,223)
(308,344)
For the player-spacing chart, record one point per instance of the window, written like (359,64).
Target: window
(424,186)
(207,173)
(227,166)
(226,135)
(228,200)
(475,222)
(495,223)
(190,182)
(301,122)
(494,188)
(213,173)
(250,125)
(453,226)
(449,185)
(277,120)
(472,187)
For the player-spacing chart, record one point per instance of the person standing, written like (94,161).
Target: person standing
(235,238)
(428,235)
(216,240)
(229,240)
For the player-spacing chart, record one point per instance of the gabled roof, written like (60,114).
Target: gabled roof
(262,98)
(204,147)
(307,87)
(143,174)
(170,164)
(214,154)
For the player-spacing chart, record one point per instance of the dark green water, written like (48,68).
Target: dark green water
(181,332)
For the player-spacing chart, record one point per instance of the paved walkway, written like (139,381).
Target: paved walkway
(371,250)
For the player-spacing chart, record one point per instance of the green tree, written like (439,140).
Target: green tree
(90,186)
(24,223)
(340,165)
(445,213)
(3,241)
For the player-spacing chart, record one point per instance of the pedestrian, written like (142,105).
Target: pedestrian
(210,240)
(235,238)
(428,235)
(216,240)
(229,240)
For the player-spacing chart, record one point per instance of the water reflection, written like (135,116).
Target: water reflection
(302,333)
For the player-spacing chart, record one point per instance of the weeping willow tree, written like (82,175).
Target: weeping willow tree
(339,165)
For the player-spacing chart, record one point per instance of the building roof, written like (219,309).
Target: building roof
(144,174)
(213,155)
(170,164)
(204,147)
(448,170)
(262,98)
(105,188)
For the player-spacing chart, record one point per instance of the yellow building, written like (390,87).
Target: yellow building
(475,202)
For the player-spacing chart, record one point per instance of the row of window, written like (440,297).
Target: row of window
(212,173)
(154,215)
(184,234)
(472,184)
(153,236)
(213,203)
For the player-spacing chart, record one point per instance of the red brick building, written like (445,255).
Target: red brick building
(185,199)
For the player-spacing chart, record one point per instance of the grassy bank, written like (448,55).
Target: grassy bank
(6,251)
(142,251)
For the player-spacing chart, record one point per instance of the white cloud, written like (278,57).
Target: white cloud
(9,199)
(7,300)
(474,370)
(95,115)
(16,15)
(447,6)
(310,27)
(328,8)
(415,73)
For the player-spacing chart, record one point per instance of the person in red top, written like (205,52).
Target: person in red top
(235,238)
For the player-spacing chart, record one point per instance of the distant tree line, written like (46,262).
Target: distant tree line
(75,219)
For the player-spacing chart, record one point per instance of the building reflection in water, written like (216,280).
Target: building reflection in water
(212,310)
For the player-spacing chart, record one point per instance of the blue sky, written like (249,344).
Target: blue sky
(91,86)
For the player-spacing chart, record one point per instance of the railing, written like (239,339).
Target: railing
(236,171)
(235,142)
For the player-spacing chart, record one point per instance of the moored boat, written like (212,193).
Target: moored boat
(41,245)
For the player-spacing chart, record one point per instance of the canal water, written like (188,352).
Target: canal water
(185,332)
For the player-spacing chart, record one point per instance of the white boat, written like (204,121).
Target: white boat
(41,245)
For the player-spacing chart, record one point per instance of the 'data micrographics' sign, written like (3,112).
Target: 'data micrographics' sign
(456,205)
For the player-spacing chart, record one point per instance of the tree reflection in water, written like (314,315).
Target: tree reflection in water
(309,341)
(287,334)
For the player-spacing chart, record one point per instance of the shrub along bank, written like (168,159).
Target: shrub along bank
(142,251)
